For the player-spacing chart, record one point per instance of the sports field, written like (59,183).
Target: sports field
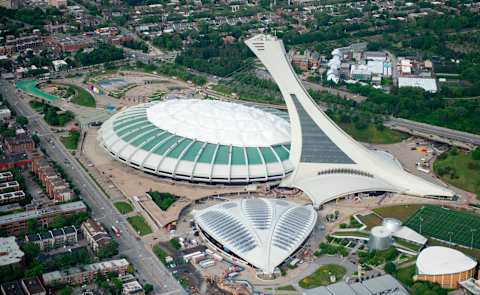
(447,225)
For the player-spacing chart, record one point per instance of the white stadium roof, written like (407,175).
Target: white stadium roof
(220,122)
(442,260)
(262,232)
(200,140)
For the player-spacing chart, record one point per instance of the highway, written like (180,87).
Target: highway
(445,133)
(148,268)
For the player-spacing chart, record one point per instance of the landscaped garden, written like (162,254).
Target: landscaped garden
(321,277)
(163,200)
(140,225)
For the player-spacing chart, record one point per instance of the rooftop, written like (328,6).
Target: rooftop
(65,208)
(439,260)
(10,252)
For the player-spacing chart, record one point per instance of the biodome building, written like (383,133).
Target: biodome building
(206,141)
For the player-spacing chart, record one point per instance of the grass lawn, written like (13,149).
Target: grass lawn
(175,244)
(321,277)
(286,288)
(140,225)
(360,234)
(447,225)
(400,212)
(160,253)
(71,141)
(370,220)
(82,97)
(123,207)
(372,134)
(163,200)
(460,170)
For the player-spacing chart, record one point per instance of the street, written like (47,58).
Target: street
(148,267)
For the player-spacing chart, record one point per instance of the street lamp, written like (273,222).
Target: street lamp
(472,230)
(421,220)
(450,234)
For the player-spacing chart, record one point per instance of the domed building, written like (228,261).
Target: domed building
(445,266)
(207,141)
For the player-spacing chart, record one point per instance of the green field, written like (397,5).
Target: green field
(460,170)
(447,225)
(321,277)
(400,212)
(123,207)
(372,134)
(140,225)
(163,200)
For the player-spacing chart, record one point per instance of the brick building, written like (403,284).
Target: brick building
(21,143)
(33,286)
(56,187)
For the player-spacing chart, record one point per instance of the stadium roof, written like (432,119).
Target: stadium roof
(263,232)
(200,140)
(438,260)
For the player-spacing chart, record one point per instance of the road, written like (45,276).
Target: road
(445,133)
(146,264)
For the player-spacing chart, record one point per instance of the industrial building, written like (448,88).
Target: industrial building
(383,236)
(445,266)
(205,141)
(256,232)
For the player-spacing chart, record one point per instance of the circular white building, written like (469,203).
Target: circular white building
(380,238)
(206,141)
(445,266)
(256,232)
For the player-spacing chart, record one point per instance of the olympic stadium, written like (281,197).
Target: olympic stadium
(216,142)
(207,141)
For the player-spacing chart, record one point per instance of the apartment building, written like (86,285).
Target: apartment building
(9,161)
(54,238)
(16,45)
(95,234)
(15,223)
(11,197)
(33,286)
(86,273)
(11,288)
(9,186)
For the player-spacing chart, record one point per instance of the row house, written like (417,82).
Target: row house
(9,186)
(86,273)
(54,238)
(21,44)
(6,176)
(13,224)
(56,187)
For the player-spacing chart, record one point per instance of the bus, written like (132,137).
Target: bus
(116,231)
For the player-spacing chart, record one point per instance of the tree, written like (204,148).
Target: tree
(21,120)
(476,154)
(67,290)
(390,268)
(148,288)
(32,226)
(31,251)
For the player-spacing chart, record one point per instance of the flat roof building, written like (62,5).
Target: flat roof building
(33,286)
